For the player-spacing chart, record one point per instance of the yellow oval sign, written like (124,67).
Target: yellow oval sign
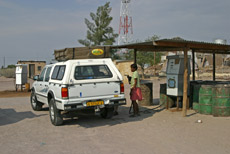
(97,52)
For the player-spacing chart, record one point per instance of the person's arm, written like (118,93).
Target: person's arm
(135,83)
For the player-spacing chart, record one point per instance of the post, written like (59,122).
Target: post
(4,61)
(193,65)
(185,88)
(104,52)
(135,56)
(154,63)
(177,103)
(214,67)
(73,53)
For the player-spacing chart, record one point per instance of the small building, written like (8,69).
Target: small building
(33,67)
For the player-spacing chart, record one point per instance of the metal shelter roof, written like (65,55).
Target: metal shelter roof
(177,45)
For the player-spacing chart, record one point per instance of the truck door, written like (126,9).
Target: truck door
(45,85)
(38,86)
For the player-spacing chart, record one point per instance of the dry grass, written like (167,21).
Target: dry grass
(8,72)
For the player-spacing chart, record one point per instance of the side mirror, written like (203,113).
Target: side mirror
(35,78)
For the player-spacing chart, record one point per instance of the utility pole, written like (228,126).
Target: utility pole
(154,63)
(4,61)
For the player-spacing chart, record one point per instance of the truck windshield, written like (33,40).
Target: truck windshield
(92,72)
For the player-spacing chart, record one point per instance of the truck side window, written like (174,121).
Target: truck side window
(58,72)
(61,72)
(41,76)
(47,76)
(55,72)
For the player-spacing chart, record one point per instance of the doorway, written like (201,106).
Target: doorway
(31,70)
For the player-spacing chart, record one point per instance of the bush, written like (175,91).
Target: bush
(8,72)
(11,66)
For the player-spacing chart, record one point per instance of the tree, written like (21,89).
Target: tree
(146,57)
(11,66)
(99,32)
(149,58)
(177,38)
(114,55)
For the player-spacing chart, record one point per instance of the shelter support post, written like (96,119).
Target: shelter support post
(135,56)
(193,65)
(185,88)
(214,67)
(177,103)
(154,63)
(73,53)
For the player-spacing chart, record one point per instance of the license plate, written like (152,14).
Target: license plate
(95,103)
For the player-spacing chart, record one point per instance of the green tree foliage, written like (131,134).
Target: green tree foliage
(114,55)
(11,66)
(99,32)
(153,38)
(177,38)
(148,57)
(145,57)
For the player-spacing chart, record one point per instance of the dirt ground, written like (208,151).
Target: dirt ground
(156,131)
(7,94)
(7,88)
(8,84)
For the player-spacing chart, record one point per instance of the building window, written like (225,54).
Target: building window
(39,68)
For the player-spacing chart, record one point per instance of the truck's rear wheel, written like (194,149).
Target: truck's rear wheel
(35,104)
(55,114)
(107,113)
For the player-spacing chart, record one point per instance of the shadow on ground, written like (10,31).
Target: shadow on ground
(191,114)
(10,116)
(89,121)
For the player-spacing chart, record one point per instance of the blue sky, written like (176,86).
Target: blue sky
(32,29)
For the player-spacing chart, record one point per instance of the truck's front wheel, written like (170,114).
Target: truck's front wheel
(55,114)
(107,113)
(35,104)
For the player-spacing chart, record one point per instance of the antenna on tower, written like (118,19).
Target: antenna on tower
(125,27)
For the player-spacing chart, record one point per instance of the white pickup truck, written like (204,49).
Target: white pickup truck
(94,84)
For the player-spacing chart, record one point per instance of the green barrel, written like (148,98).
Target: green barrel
(205,99)
(197,86)
(221,100)
(196,89)
(195,106)
(192,84)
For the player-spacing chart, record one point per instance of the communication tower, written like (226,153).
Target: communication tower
(125,27)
